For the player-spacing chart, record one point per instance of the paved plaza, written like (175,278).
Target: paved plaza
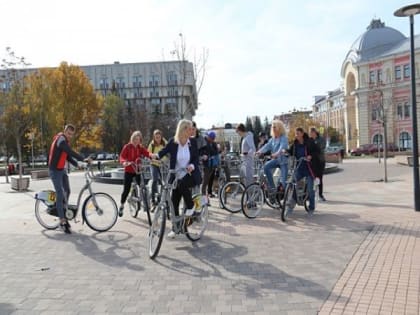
(358,254)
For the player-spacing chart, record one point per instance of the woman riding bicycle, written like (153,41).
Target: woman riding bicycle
(131,152)
(304,147)
(277,145)
(183,158)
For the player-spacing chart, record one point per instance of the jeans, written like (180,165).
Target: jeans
(272,164)
(309,186)
(60,180)
(156,179)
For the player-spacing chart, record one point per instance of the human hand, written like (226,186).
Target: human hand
(309,157)
(205,157)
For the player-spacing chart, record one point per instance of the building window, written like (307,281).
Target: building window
(406,110)
(172,78)
(377,139)
(137,81)
(404,141)
(398,73)
(406,71)
(379,76)
(103,84)
(400,112)
(374,114)
(372,77)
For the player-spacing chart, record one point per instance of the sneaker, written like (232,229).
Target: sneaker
(171,234)
(322,198)
(211,195)
(65,227)
(189,212)
(121,211)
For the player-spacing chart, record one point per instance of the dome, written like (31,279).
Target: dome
(377,39)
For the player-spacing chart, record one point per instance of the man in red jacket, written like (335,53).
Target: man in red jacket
(60,154)
(131,154)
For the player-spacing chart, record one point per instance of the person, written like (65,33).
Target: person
(262,140)
(184,159)
(247,153)
(320,142)
(195,133)
(277,145)
(213,174)
(157,144)
(303,146)
(60,154)
(132,152)
(210,156)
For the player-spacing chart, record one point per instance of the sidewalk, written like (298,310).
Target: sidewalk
(359,254)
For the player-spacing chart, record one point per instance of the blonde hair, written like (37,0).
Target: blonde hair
(183,125)
(280,127)
(136,133)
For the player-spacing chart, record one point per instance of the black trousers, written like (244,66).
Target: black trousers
(183,190)
(321,182)
(128,179)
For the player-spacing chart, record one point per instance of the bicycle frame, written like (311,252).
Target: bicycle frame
(301,196)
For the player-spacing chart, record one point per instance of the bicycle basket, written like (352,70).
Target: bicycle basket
(47,196)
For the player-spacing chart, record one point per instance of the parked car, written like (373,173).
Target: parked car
(364,149)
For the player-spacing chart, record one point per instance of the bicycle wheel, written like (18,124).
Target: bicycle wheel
(195,228)
(156,231)
(288,202)
(230,196)
(100,211)
(133,200)
(252,201)
(44,216)
(145,204)
(273,202)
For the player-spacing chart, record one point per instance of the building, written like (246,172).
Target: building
(376,75)
(156,87)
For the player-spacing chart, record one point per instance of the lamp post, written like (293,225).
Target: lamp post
(410,11)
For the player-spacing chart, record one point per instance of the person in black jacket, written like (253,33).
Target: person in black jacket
(303,146)
(184,159)
(320,142)
(210,156)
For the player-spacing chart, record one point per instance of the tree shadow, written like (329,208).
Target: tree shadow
(7,308)
(102,247)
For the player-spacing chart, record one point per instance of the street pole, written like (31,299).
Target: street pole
(410,11)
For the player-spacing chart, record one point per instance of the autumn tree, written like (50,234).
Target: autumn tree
(64,95)
(303,121)
(15,107)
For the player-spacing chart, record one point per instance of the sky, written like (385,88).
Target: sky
(265,57)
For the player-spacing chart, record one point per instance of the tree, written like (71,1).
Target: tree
(257,127)
(115,131)
(64,95)
(198,73)
(266,126)
(16,110)
(303,121)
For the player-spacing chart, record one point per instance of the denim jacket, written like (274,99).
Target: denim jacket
(276,146)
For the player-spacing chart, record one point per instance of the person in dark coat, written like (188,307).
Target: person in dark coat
(303,146)
(320,142)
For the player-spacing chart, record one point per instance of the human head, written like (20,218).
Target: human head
(69,131)
(277,128)
(313,133)
(299,133)
(157,137)
(136,137)
(211,135)
(240,129)
(183,130)
(194,130)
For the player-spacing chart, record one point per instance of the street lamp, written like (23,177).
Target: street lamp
(410,11)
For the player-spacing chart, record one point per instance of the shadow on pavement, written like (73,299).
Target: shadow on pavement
(103,247)
(367,204)
(6,308)
(251,278)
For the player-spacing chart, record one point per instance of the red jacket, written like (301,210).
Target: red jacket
(131,153)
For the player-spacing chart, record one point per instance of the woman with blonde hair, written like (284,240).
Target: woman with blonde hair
(184,159)
(132,152)
(277,145)
(157,144)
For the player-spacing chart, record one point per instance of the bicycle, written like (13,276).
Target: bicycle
(192,226)
(231,192)
(139,199)
(296,192)
(258,193)
(99,209)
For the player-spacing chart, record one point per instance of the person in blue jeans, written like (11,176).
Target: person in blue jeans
(303,146)
(277,145)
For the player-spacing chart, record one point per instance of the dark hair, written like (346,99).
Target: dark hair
(69,127)
(313,129)
(262,134)
(241,127)
(300,129)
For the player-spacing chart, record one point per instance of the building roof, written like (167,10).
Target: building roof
(376,41)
